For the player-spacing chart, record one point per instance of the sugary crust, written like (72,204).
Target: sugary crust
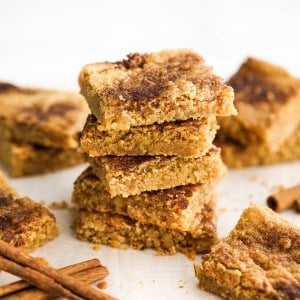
(46,117)
(268,102)
(21,159)
(116,231)
(132,175)
(152,88)
(24,223)
(258,260)
(177,208)
(191,138)
(236,155)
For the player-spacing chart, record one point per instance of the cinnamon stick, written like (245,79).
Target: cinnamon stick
(72,269)
(87,276)
(284,199)
(44,276)
(40,280)
(298,205)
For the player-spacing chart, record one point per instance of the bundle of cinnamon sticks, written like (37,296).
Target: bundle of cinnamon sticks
(42,282)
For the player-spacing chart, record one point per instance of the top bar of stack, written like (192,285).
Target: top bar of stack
(167,86)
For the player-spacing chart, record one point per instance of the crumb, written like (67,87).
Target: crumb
(96,247)
(102,285)
(42,260)
(59,205)
(42,202)
(141,283)
(181,283)
(153,280)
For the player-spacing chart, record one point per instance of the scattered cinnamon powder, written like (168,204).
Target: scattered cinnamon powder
(181,283)
(96,247)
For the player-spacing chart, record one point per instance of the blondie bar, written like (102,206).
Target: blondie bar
(22,159)
(24,223)
(258,260)
(268,103)
(237,155)
(191,138)
(153,88)
(116,230)
(177,208)
(132,175)
(46,117)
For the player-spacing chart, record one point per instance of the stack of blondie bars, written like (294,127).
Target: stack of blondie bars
(153,168)
(39,129)
(267,128)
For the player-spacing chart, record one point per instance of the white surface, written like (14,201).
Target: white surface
(46,43)
(143,274)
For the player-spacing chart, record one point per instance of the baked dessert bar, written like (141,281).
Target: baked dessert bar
(132,175)
(22,159)
(24,223)
(176,208)
(268,102)
(258,260)
(236,155)
(191,138)
(153,88)
(116,231)
(46,117)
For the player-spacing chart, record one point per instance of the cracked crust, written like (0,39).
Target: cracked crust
(50,118)
(268,102)
(117,231)
(21,159)
(153,88)
(236,155)
(24,223)
(132,175)
(260,259)
(175,208)
(190,138)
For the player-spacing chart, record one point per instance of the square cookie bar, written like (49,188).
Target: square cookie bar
(237,155)
(153,88)
(258,260)
(22,159)
(268,102)
(50,118)
(118,231)
(191,138)
(176,208)
(24,223)
(132,175)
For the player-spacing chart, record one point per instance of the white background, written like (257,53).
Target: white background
(52,39)
(45,43)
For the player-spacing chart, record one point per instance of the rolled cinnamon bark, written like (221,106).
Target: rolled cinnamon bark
(284,199)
